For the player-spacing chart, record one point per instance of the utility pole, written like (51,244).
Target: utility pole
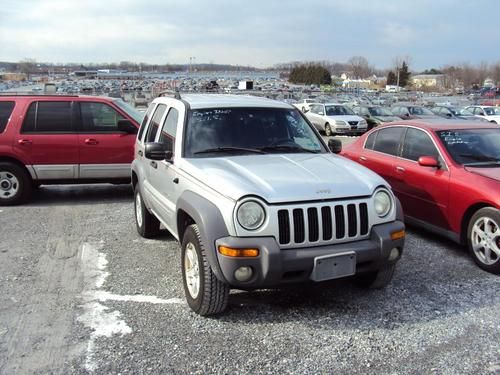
(397,81)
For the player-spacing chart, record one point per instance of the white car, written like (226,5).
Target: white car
(489,113)
(304,104)
(336,119)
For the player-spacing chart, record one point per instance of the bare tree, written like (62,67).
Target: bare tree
(359,66)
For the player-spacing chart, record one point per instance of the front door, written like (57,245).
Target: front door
(105,152)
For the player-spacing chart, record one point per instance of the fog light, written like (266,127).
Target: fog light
(394,254)
(244,273)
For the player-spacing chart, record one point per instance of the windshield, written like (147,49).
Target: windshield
(419,111)
(457,111)
(472,146)
(491,111)
(211,132)
(338,110)
(131,111)
(379,111)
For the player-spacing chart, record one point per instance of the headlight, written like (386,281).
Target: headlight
(251,215)
(340,123)
(382,202)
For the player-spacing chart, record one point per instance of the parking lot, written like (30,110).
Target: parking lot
(82,292)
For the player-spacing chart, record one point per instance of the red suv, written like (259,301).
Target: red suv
(446,174)
(63,139)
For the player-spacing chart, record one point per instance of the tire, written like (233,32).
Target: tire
(483,239)
(205,294)
(148,226)
(378,279)
(328,130)
(16,185)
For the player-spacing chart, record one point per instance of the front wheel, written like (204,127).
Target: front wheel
(483,239)
(205,294)
(328,130)
(15,184)
(378,279)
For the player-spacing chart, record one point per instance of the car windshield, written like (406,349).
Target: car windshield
(131,111)
(457,111)
(492,111)
(221,131)
(419,111)
(380,111)
(473,146)
(338,110)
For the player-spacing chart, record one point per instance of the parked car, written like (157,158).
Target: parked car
(491,114)
(447,177)
(410,112)
(454,113)
(336,119)
(304,104)
(257,200)
(375,115)
(63,139)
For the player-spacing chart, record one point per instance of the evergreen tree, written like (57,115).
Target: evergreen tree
(391,78)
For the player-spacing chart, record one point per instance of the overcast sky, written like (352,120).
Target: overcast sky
(252,32)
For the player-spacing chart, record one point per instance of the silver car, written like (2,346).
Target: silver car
(336,119)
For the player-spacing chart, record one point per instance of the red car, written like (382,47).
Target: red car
(63,139)
(446,175)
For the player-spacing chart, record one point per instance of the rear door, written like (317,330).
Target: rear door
(380,151)
(105,151)
(48,139)
(423,191)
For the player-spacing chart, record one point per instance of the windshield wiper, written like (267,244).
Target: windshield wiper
(229,149)
(287,148)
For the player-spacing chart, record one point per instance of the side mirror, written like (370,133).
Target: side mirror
(448,115)
(428,161)
(127,126)
(335,145)
(157,151)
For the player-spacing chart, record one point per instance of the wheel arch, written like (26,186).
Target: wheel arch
(192,208)
(9,159)
(466,218)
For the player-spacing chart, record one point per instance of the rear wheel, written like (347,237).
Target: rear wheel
(378,279)
(15,184)
(147,224)
(205,294)
(483,237)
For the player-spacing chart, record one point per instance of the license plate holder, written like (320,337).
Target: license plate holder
(328,267)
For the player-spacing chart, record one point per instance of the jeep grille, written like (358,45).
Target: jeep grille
(323,224)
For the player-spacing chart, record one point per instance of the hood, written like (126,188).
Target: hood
(284,177)
(347,118)
(493,173)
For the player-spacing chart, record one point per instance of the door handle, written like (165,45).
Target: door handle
(362,158)
(400,169)
(154,164)
(25,142)
(140,152)
(91,141)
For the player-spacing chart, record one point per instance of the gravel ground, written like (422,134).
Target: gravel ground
(83,293)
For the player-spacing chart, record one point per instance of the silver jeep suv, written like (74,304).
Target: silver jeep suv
(258,200)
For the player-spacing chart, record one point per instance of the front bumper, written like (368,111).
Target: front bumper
(275,267)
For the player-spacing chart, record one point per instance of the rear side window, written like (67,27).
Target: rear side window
(155,123)
(388,140)
(5,112)
(48,117)
(145,120)
(370,141)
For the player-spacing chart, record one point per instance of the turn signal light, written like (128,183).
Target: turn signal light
(397,235)
(243,253)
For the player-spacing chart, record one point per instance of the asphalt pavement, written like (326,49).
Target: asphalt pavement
(82,292)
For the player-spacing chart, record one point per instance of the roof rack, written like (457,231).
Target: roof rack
(170,93)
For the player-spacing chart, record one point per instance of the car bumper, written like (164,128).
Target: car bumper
(274,267)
